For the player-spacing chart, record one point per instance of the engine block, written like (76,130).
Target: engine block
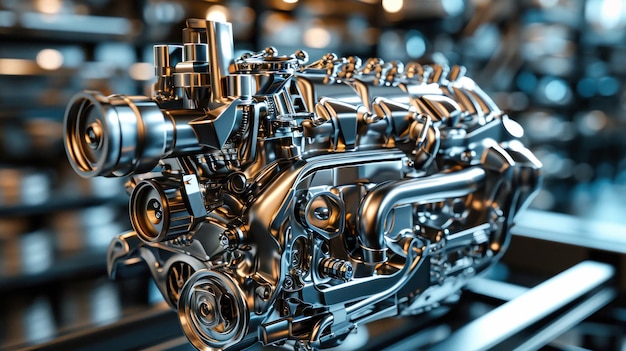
(278,200)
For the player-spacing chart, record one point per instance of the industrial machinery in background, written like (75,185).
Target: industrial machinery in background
(281,200)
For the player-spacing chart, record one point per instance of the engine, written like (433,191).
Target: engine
(277,199)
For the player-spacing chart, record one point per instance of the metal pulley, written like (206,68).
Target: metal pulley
(163,209)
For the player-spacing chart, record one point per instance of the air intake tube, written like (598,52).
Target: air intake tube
(120,135)
(379,202)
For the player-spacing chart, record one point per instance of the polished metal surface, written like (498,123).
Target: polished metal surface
(587,281)
(277,201)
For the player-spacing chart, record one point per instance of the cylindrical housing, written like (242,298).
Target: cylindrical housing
(120,135)
(165,58)
(221,54)
(195,52)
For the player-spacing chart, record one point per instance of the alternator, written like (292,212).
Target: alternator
(281,201)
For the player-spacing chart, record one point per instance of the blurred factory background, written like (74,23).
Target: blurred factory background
(556,66)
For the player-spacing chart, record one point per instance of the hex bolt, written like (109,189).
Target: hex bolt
(288,283)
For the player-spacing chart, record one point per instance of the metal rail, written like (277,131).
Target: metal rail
(539,315)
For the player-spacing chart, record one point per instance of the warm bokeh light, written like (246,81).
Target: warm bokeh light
(17,67)
(393,6)
(50,59)
(217,13)
(141,71)
(316,37)
(592,122)
(275,22)
(49,6)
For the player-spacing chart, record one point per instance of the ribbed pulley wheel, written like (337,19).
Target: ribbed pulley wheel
(158,211)
(213,311)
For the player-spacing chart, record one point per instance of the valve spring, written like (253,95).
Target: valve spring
(240,132)
(336,268)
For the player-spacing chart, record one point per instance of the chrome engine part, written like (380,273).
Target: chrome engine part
(280,201)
